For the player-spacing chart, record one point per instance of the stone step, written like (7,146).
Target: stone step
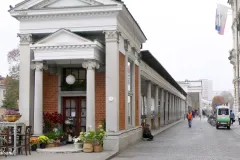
(61,149)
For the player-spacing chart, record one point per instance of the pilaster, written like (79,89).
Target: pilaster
(26,80)
(112,81)
(166,109)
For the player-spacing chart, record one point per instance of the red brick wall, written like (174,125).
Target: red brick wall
(136,96)
(50,93)
(100,98)
(122,91)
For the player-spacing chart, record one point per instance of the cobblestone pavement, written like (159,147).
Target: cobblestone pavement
(201,142)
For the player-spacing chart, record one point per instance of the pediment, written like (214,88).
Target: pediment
(63,37)
(41,4)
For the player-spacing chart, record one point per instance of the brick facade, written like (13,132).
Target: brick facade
(50,93)
(122,92)
(136,95)
(100,98)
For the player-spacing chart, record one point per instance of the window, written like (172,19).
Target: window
(80,79)
(223,111)
(130,91)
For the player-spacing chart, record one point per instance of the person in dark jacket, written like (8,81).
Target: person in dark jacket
(147,132)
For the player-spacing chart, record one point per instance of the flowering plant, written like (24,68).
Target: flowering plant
(34,140)
(51,120)
(77,140)
(87,137)
(43,139)
(11,112)
(100,135)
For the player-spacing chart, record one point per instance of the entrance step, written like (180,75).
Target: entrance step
(62,149)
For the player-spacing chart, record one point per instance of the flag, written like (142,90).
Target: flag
(221,18)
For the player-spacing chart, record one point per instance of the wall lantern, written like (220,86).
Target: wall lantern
(70,79)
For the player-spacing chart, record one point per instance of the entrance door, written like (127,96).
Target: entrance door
(74,108)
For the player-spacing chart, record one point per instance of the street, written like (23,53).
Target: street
(201,142)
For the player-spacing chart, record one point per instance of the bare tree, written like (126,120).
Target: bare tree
(228,98)
(217,100)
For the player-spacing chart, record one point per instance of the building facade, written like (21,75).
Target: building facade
(2,90)
(82,58)
(194,91)
(234,52)
(207,92)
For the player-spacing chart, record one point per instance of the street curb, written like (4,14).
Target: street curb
(154,134)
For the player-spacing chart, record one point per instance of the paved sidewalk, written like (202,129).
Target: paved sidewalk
(201,142)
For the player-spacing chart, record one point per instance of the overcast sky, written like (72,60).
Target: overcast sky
(180,35)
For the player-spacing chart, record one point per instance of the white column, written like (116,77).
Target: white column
(112,81)
(166,108)
(26,80)
(90,117)
(162,108)
(156,107)
(149,101)
(38,98)
(170,108)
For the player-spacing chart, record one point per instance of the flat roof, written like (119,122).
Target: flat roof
(150,60)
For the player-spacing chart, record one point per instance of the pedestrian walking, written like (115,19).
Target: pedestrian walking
(189,118)
(232,117)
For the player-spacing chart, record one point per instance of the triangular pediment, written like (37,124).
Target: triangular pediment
(41,4)
(63,37)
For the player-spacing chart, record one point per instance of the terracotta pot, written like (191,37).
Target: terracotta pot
(87,147)
(12,118)
(98,148)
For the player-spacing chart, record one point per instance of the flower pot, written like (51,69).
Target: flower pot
(12,118)
(50,145)
(78,145)
(98,148)
(34,147)
(43,145)
(87,147)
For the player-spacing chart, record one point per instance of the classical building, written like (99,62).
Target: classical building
(2,90)
(82,58)
(234,52)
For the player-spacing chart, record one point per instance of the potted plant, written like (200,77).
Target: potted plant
(43,141)
(99,137)
(34,142)
(88,139)
(11,115)
(50,143)
(78,144)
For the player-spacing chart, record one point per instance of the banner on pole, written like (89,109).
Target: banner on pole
(221,18)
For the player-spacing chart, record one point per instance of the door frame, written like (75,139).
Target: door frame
(78,110)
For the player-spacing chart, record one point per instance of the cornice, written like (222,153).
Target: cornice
(65,47)
(64,15)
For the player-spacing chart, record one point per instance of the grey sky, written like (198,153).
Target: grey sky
(180,35)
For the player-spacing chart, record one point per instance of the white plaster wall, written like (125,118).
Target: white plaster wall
(123,139)
(2,88)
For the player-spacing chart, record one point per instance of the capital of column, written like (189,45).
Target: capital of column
(39,66)
(112,35)
(25,38)
(90,65)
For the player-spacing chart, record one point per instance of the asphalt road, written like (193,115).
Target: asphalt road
(201,142)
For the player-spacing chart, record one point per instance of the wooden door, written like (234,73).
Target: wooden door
(75,108)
